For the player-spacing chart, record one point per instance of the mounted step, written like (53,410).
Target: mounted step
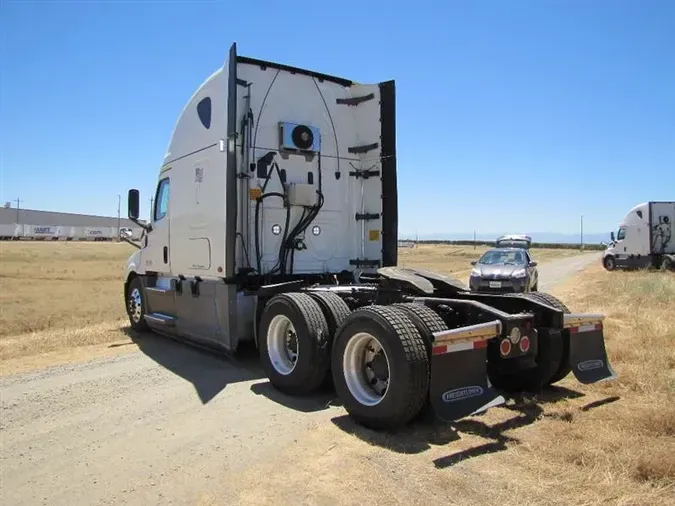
(160,319)
(355,100)
(158,291)
(363,149)
(178,284)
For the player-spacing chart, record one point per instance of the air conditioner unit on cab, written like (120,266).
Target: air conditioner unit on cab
(299,138)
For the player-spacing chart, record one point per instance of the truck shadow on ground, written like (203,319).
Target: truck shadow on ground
(427,431)
(319,401)
(209,372)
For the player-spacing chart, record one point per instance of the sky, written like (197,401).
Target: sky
(516,116)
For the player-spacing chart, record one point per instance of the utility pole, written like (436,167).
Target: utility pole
(582,232)
(18,201)
(474,238)
(119,203)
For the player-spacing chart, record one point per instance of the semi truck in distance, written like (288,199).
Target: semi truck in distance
(275,221)
(646,238)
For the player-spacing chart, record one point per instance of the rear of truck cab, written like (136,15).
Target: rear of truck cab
(277,222)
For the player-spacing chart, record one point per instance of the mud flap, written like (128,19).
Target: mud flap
(459,382)
(588,356)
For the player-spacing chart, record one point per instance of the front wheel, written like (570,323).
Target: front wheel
(135,305)
(609,263)
(380,367)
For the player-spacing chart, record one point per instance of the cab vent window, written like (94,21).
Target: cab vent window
(204,111)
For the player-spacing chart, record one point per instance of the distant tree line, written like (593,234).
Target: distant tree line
(548,245)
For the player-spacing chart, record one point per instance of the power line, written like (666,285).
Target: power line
(582,232)
(119,202)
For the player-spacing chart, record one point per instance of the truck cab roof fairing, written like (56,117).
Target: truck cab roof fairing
(186,137)
(190,134)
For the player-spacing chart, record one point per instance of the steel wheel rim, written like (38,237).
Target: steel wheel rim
(135,305)
(282,345)
(364,379)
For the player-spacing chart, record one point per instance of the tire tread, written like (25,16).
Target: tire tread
(413,397)
(564,368)
(317,326)
(430,318)
(334,308)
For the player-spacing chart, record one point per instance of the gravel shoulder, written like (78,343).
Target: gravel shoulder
(161,425)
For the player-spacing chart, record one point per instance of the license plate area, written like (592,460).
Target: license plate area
(495,284)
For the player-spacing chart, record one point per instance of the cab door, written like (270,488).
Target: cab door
(156,255)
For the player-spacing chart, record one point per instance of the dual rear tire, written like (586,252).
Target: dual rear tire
(380,366)
(294,343)
(376,356)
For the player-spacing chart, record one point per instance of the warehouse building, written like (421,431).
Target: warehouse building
(34,224)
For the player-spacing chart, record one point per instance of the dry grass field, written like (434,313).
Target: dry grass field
(62,295)
(608,443)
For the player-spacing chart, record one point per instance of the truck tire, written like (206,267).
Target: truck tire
(564,368)
(292,340)
(529,379)
(374,345)
(335,310)
(427,322)
(667,263)
(135,305)
(425,319)
(609,263)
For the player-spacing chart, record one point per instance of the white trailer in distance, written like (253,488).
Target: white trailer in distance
(646,238)
(275,221)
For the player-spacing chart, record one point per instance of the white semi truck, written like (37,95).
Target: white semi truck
(275,221)
(646,238)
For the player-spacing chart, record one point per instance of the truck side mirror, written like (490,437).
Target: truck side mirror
(474,262)
(133,200)
(611,235)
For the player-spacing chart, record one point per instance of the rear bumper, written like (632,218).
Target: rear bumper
(459,379)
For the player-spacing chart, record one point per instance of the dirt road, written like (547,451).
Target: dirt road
(158,426)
